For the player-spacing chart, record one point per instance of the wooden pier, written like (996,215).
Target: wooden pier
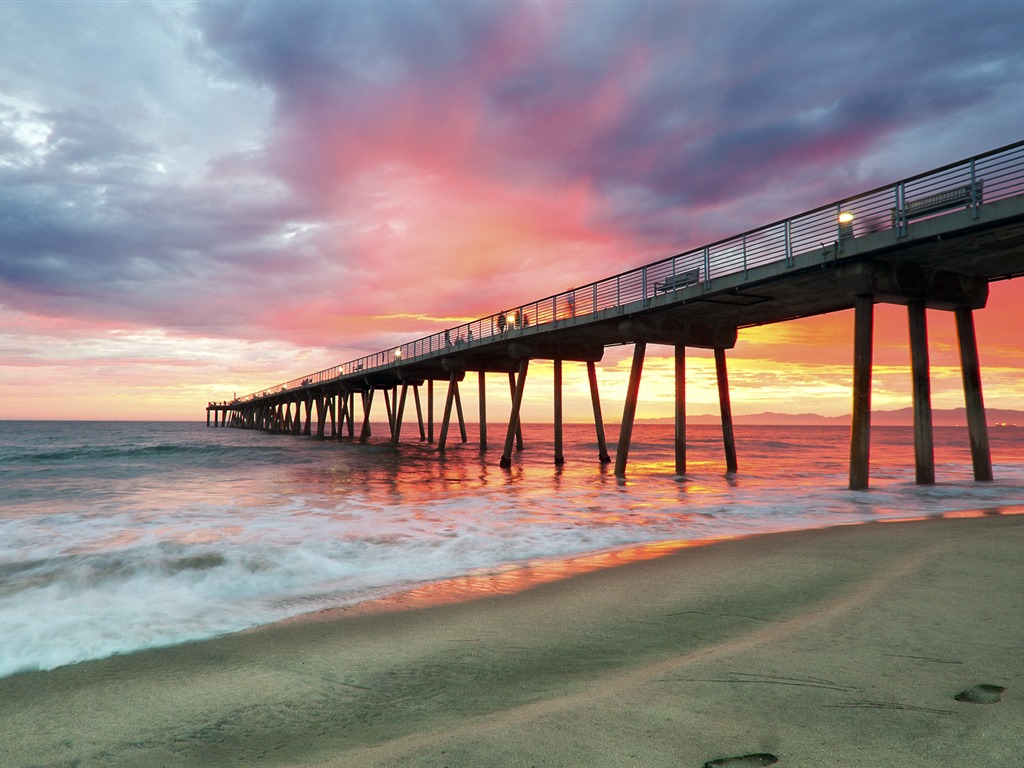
(932,241)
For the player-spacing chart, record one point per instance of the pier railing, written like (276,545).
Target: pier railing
(962,185)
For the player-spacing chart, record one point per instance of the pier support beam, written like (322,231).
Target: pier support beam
(513,417)
(419,410)
(924,446)
(430,410)
(321,414)
(453,389)
(389,407)
(595,399)
(725,406)
(559,456)
(970,368)
(519,427)
(860,432)
(680,401)
(365,432)
(346,414)
(462,418)
(482,386)
(399,413)
(629,409)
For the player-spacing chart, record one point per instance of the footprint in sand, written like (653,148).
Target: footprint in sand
(744,761)
(982,693)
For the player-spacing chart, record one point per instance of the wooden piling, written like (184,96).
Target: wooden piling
(321,414)
(388,406)
(482,386)
(629,409)
(462,418)
(924,451)
(399,413)
(346,404)
(365,432)
(419,410)
(860,432)
(453,387)
(725,407)
(430,410)
(970,368)
(559,456)
(519,427)
(513,418)
(595,399)
(680,402)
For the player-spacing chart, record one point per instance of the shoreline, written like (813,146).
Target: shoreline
(520,577)
(822,647)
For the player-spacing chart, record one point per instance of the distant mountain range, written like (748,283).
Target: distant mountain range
(951,417)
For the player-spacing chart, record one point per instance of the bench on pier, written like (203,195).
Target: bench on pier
(966,195)
(678,280)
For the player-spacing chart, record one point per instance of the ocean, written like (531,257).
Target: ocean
(118,536)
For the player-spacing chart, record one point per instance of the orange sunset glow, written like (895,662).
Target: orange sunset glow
(297,187)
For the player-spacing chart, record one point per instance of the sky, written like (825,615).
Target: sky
(204,199)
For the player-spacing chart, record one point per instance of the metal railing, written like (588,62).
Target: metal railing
(987,177)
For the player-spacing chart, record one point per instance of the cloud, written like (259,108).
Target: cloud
(285,171)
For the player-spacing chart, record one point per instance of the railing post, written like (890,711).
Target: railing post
(901,214)
(707,268)
(789,242)
(839,228)
(744,257)
(643,277)
(974,192)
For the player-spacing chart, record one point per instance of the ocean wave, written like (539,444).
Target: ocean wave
(87,453)
(98,557)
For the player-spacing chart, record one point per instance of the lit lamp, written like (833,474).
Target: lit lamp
(398,353)
(845,224)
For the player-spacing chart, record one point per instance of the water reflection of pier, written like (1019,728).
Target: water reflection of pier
(932,241)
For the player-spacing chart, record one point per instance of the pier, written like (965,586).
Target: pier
(932,241)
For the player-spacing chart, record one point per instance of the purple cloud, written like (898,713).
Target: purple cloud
(239,168)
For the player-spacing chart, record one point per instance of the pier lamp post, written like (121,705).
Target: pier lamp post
(398,354)
(845,224)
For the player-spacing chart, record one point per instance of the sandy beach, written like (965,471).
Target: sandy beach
(897,644)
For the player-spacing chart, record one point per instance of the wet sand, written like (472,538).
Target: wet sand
(898,644)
